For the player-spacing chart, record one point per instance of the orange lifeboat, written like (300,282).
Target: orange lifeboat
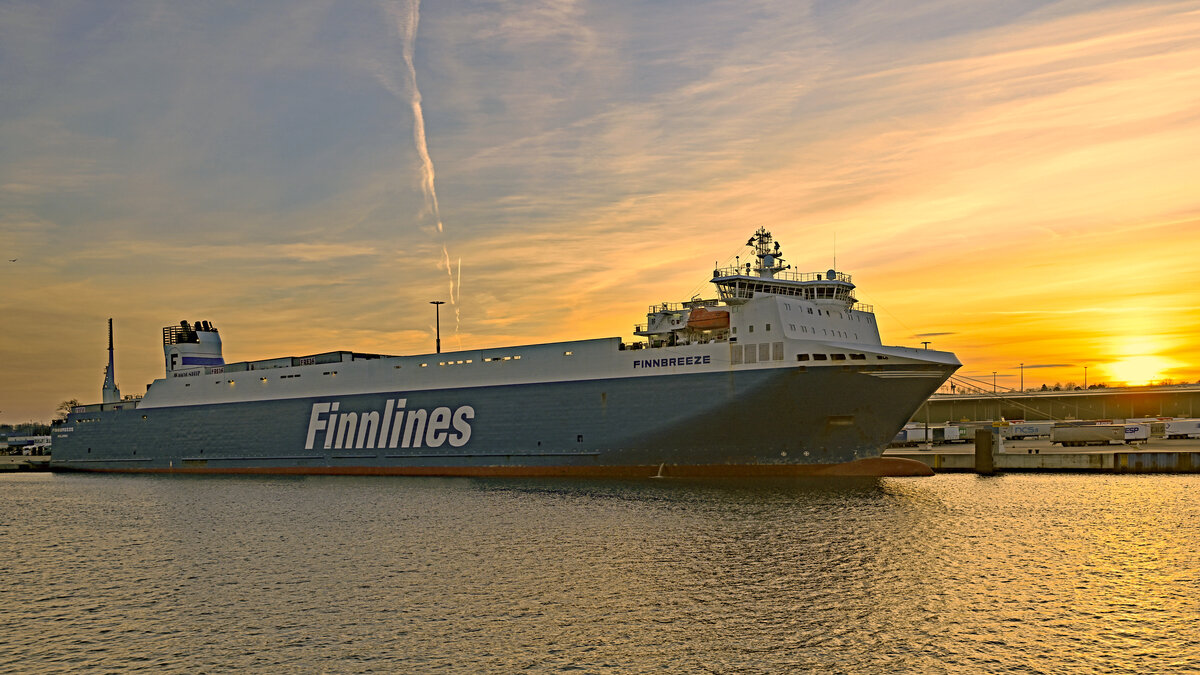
(702,318)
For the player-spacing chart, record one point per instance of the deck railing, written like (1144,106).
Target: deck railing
(736,271)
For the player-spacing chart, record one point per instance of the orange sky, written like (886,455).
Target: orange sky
(1015,184)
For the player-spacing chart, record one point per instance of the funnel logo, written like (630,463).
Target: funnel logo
(391,427)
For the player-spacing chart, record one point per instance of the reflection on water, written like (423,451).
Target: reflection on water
(1042,573)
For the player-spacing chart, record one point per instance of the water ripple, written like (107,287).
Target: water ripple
(1012,574)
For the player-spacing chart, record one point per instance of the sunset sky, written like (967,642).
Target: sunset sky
(1017,182)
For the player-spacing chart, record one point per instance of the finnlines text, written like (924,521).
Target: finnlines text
(391,427)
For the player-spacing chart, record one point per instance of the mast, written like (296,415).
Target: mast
(112,393)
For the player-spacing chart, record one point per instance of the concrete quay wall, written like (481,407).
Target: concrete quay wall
(1181,401)
(1159,457)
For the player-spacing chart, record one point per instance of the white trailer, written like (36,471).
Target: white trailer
(1090,434)
(1181,428)
(1019,430)
(1137,433)
(915,435)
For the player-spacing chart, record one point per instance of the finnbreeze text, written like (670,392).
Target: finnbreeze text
(673,361)
(355,430)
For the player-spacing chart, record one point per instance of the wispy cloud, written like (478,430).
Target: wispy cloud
(1014,177)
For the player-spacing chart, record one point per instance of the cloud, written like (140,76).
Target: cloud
(1017,176)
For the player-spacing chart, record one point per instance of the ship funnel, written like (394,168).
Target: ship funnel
(191,350)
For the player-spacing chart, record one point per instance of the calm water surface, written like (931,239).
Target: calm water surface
(955,573)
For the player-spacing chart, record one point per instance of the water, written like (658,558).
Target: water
(955,573)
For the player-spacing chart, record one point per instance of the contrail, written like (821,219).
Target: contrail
(407,25)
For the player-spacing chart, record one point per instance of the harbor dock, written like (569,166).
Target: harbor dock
(9,463)
(1155,456)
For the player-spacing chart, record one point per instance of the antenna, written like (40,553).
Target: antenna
(110,393)
(835,249)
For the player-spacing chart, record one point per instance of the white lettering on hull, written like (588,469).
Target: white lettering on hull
(390,427)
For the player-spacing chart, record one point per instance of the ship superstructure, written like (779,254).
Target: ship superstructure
(782,372)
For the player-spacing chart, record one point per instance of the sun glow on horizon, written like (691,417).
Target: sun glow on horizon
(1138,370)
(1138,361)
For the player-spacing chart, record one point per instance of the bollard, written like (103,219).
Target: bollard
(983,452)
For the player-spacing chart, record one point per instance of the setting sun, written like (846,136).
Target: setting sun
(1137,360)
(1137,370)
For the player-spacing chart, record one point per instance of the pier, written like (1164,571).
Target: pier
(10,463)
(1155,456)
(1179,400)
(1105,404)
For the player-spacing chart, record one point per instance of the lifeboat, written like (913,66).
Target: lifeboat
(702,318)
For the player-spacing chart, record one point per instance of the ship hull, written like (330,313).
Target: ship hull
(779,421)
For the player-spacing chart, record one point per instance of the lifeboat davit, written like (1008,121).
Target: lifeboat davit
(702,318)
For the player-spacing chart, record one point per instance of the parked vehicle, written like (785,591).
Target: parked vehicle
(1137,433)
(1181,428)
(1090,434)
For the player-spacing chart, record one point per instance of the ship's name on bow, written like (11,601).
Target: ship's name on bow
(672,362)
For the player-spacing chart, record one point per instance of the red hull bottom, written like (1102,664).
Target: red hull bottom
(876,467)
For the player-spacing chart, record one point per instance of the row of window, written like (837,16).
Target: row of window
(762,352)
(398,366)
(741,289)
(837,357)
(826,331)
(848,315)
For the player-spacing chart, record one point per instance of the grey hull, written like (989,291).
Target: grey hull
(783,420)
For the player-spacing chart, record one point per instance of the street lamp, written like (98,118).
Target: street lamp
(926,343)
(1085,377)
(1022,377)
(437,315)
(993,381)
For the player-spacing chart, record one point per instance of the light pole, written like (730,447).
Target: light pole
(1085,377)
(993,381)
(437,315)
(1022,377)
(926,343)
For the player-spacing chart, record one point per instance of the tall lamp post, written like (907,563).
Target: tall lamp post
(1022,377)
(437,315)
(1085,377)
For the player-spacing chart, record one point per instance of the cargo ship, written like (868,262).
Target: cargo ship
(782,373)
